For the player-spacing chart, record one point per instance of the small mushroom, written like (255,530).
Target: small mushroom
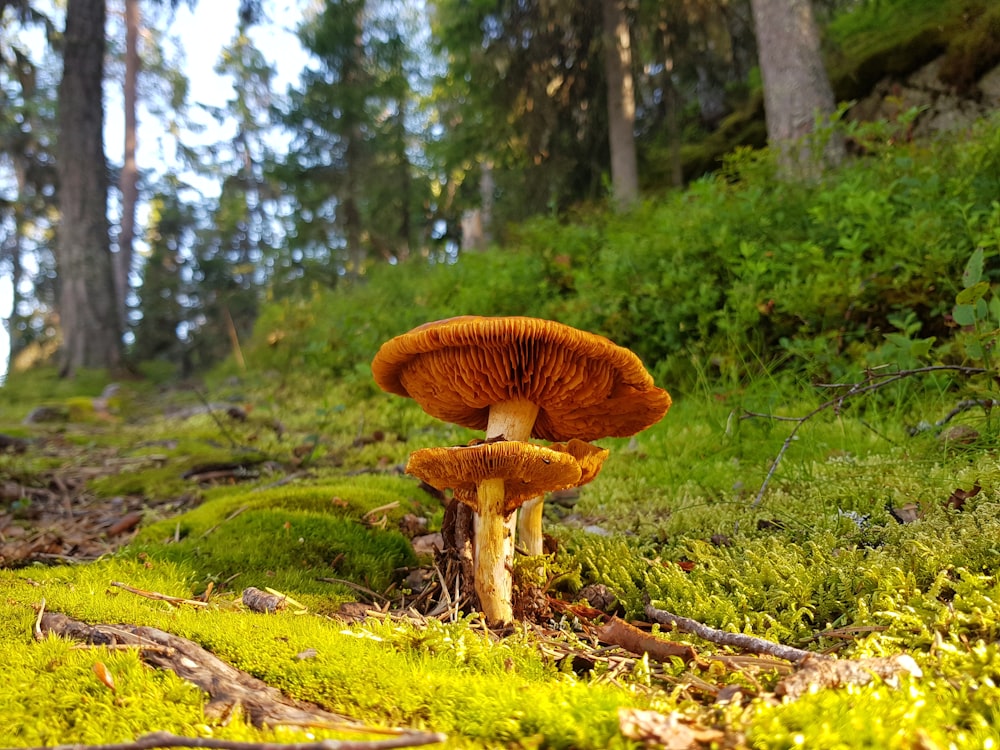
(494,479)
(529,521)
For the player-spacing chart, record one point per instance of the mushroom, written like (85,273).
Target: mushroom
(529,521)
(494,479)
(518,377)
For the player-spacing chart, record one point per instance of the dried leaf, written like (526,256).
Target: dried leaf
(957,498)
(668,731)
(104,675)
(617,632)
(817,674)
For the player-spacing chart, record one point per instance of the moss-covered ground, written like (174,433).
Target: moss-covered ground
(860,546)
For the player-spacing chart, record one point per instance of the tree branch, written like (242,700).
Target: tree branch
(735,640)
(873,382)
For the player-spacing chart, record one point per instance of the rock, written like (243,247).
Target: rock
(426,544)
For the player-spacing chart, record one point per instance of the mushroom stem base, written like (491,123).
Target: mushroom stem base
(494,553)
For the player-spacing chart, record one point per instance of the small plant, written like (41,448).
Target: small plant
(977,311)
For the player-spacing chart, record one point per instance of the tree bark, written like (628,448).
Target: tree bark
(797,91)
(87,311)
(621,103)
(129,180)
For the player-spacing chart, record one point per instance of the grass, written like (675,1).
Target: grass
(671,518)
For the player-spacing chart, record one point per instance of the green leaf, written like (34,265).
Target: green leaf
(921,348)
(972,294)
(974,350)
(973,269)
(964,315)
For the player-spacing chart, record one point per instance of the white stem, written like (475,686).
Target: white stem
(529,525)
(511,420)
(494,533)
(493,554)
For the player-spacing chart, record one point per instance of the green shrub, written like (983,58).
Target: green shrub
(738,274)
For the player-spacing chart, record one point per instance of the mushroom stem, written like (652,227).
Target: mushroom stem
(511,420)
(529,525)
(493,554)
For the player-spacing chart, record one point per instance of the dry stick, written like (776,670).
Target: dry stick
(158,596)
(874,382)
(38,622)
(165,739)
(725,638)
(230,517)
(226,685)
(961,406)
(234,339)
(218,422)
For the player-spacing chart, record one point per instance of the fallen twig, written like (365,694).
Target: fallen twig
(814,671)
(725,638)
(230,517)
(165,739)
(38,622)
(158,596)
(873,382)
(261,601)
(962,406)
(226,685)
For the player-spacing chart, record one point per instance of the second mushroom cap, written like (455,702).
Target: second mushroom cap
(526,470)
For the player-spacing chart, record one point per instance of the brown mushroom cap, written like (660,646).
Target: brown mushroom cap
(590,457)
(584,385)
(526,470)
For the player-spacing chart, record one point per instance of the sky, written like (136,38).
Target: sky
(202,32)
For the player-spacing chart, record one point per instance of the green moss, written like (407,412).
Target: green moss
(974,48)
(287,537)
(446,677)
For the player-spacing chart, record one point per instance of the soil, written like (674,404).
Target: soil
(51,517)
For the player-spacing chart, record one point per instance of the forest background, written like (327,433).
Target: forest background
(412,137)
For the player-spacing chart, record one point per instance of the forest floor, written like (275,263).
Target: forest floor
(268,535)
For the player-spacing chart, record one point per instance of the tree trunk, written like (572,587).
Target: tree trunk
(87,311)
(621,103)
(129,179)
(797,91)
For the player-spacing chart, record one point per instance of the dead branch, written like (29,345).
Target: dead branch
(872,382)
(724,638)
(165,739)
(226,685)
(158,596)
(617,632)
(813,671)
(986,404)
